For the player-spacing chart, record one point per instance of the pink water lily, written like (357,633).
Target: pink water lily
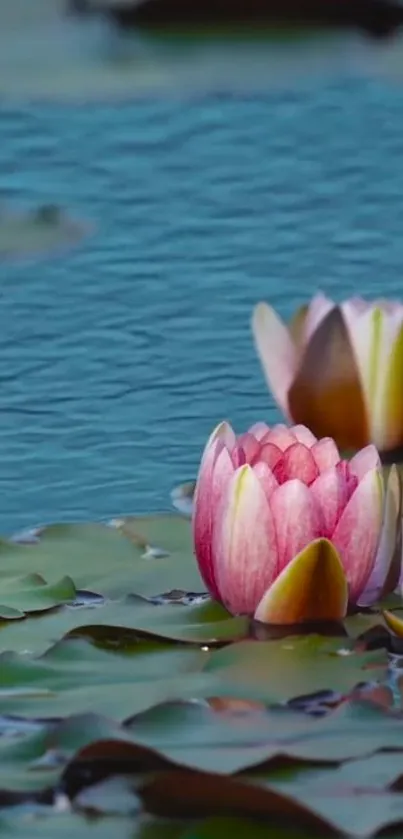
(337,368)
(287,531)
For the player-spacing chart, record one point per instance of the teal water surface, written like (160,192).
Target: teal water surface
(118,358)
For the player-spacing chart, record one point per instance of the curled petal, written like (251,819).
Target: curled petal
(312,587)
(376,336)
(326,453)
(259,430)
(244,543)
(270,454)
(331,494)
(393,398)
(277,352)
(215,470)
(296,517)
(318,308)
(297,462)
(304,435)
(250,446)
(266,478)
(385,574)
(297,326)
(393,623)
(365,460)
(280,436)
(223,432)
(326,393)
(358,532)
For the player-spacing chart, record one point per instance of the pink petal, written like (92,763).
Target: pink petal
(215,469)
(276,351)
(280,436)
(331,494)
(304,435)
(238,456)
(358,531)
(365,460)
(266,478)
(349,479)
(223,432)
(250,446)
(326,453)
(388,545)
(244,543)
(297,462)
(270,454)
(296,518)
(259,430)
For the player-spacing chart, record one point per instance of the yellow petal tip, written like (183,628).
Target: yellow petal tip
(312,587)
(393,623)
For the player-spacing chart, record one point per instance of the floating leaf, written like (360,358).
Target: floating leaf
(21,595)
(122,622)
(276,671)
(74,676)
(105,561)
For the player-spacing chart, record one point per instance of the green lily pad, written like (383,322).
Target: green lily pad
(276,671)
(105,560)
(195,736)
(75,676)
(31,593)
(123,621)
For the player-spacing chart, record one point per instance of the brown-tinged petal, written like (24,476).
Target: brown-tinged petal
(326,394)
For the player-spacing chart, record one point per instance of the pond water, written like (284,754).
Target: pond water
(120,356)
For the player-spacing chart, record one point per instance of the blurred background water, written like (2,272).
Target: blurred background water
(120,356)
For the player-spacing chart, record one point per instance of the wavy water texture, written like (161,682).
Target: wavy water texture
(119,358)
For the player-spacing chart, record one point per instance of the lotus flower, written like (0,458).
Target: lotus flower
(286,531)
(337,368)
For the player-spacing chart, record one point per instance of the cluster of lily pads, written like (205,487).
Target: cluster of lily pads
(237,674)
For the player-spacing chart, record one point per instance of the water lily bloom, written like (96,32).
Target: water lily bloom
(338,369)
(287,531)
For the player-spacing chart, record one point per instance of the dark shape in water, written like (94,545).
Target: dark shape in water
(270,632)
(86,599)
(378,18)
(178,597)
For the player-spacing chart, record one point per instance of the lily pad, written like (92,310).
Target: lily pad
(197,737)
(75,676)
(29,594)
(275,671)
(110,560)
(121,623)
